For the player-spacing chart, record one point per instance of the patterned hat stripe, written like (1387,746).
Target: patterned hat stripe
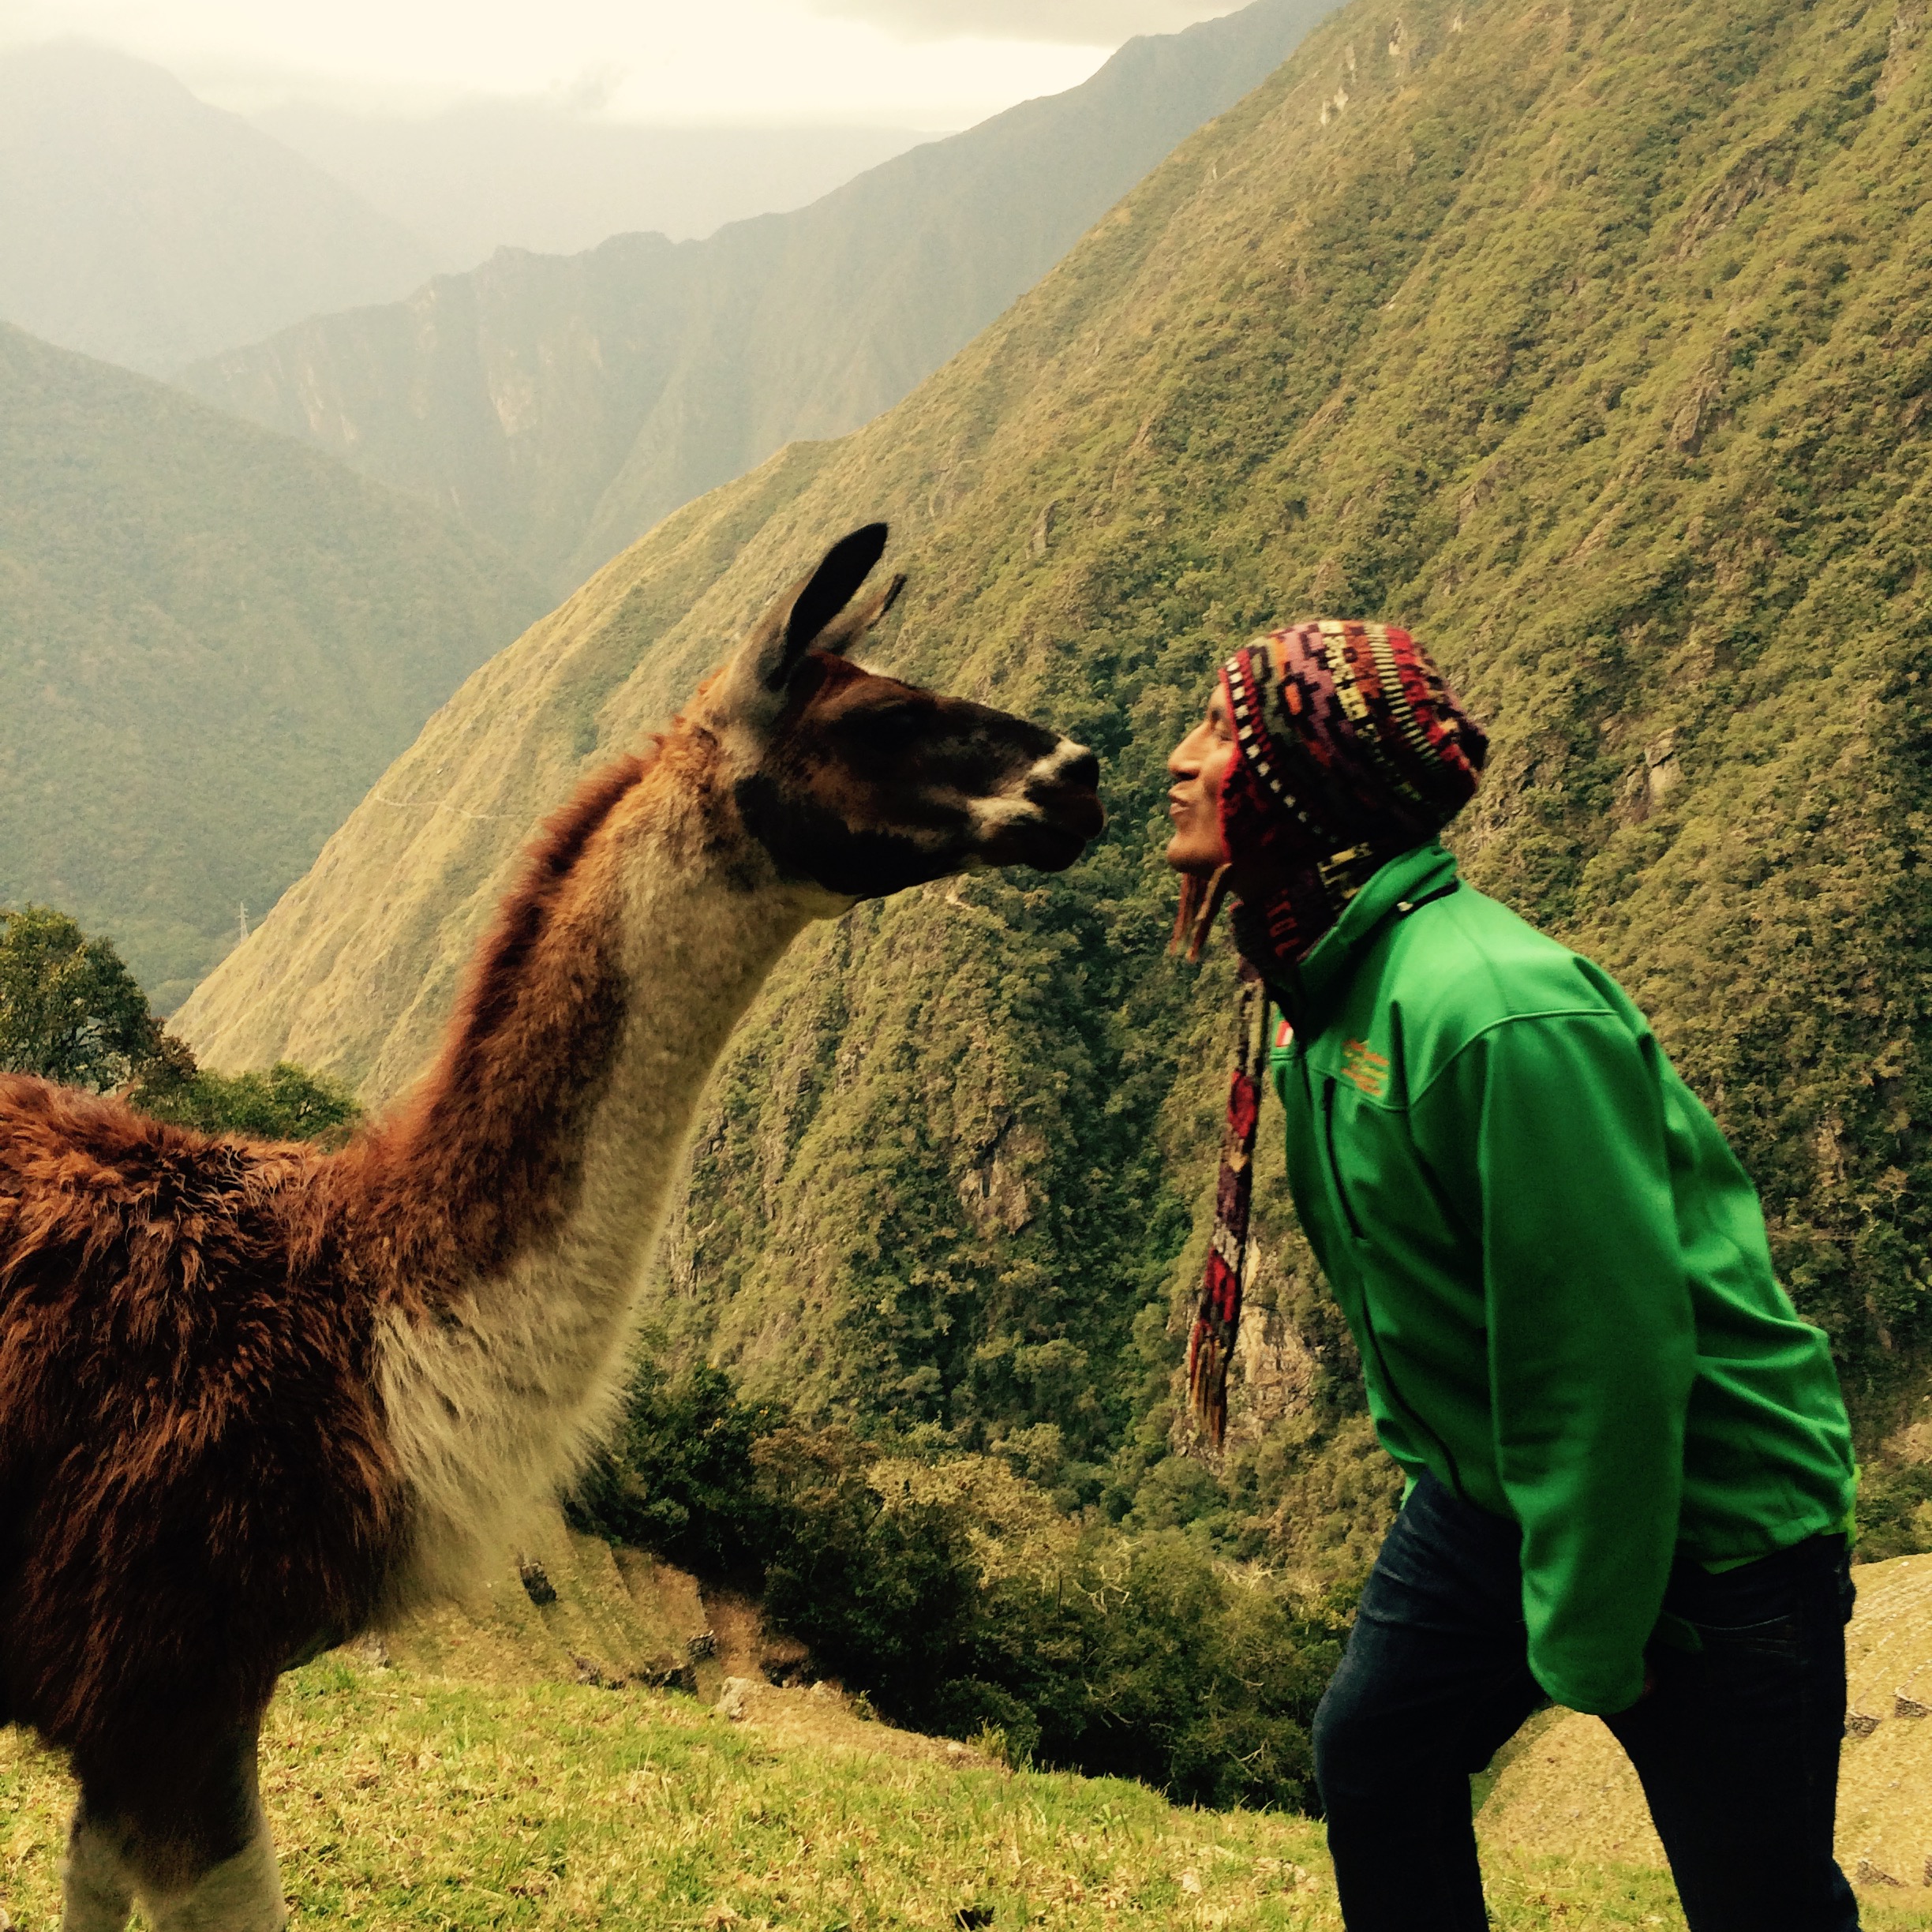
(1355,645)
(1398,698)
(1407,741)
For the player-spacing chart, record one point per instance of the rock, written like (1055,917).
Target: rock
(661,1674)
(734,1701)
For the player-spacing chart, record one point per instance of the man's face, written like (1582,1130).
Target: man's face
(1198,763)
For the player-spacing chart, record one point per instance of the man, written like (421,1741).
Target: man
(1631,1473)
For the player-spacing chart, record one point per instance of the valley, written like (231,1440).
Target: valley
(1588,345)
(212,640)
(1578,348)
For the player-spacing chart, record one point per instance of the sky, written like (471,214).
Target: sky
(934,64)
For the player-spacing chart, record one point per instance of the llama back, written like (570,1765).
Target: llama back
(194,1485)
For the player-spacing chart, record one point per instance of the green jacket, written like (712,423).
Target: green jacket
(1553,1267)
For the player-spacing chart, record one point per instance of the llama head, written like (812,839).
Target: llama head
(863,785)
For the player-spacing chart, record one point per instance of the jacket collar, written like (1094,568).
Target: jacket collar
(1311,994)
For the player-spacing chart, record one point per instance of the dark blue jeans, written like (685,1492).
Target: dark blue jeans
(1737,1744)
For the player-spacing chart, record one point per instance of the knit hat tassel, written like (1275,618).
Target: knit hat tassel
(1217,1316)
(1201,901)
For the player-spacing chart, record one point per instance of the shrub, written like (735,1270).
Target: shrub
(678,1477)
(288,1102)
(70,1011)
(879,1583)
(1894,1509)
(951,1592)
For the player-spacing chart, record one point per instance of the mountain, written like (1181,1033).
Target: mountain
(562,406)
(212,640)
(1587,342)
(140,225)
(488,174)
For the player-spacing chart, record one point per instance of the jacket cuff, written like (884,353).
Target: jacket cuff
(1597,1693)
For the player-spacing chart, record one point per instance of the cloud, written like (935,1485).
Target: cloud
(1070,23)
(667,62)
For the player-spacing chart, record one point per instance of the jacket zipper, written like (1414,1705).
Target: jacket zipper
(1375,1340)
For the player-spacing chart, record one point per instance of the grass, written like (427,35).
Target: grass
(406,1801)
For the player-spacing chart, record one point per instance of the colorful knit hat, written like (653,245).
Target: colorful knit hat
(1350,750)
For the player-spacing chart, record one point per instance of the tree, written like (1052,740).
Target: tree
(69,1010)
(288,1102)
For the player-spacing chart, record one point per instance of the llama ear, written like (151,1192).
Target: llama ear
(818,602)
(750,688)
(845,630)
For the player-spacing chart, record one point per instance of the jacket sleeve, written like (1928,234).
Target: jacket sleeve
(1549,1132)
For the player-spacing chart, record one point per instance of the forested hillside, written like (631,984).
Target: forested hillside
(562,405)
(211,641)
(142,224)
(1589,343)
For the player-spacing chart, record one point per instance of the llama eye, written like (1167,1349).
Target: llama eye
(887,730)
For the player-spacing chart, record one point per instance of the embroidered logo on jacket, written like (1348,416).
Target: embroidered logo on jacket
(1364,1067)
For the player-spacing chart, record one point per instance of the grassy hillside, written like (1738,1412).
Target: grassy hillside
(400,1798)
(212,642)
(139,224)
(562,406)
(503,1763)
(402,1801)
(1587,343)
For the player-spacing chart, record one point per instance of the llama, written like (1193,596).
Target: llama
(254,1399)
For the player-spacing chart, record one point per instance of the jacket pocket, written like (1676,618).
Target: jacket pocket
(1774,1638)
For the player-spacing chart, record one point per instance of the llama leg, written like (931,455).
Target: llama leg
(242,1893)
(97,1885)
(201,1856)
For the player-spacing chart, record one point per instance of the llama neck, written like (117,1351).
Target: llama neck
(548,1140)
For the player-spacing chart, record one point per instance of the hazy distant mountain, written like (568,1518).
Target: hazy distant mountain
(138,223)
(212,640)
(528,174)
(564,404)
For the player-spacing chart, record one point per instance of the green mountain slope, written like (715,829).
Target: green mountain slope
(1588,344)
(139,224)
(562,406)
(212,642)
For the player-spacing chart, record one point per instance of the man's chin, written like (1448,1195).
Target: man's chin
(1192,864)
